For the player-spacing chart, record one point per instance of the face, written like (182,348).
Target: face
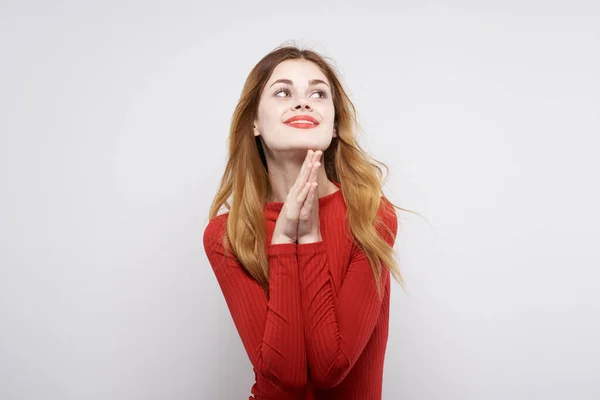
(303,94)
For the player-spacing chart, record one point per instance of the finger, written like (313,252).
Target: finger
(314,172)
(315,159)
(313,193)
(306,175)
(301,198)
(300,178)
(307,160)
(316,156)
(310,198)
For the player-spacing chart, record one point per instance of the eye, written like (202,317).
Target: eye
(282,90)
(322,93)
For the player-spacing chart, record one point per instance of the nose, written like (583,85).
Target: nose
(302,103)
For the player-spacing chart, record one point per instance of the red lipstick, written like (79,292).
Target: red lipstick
(302,122)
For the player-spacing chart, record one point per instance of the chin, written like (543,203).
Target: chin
(301,141)
(311,145)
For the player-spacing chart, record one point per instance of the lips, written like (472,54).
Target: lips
(301,120)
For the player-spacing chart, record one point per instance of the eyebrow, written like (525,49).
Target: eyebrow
(290,82)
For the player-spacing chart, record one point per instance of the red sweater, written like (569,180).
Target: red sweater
(322,333)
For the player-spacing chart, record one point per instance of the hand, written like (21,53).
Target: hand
(309,225)
(286,226)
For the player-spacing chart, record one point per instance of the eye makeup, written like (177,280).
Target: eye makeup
(322,93)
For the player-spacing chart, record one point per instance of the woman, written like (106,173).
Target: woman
(304,255)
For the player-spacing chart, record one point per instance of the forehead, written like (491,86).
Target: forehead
(299,71)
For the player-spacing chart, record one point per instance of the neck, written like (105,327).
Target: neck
(283,176)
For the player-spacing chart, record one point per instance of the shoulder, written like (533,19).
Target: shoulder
(215,224)
(214,231)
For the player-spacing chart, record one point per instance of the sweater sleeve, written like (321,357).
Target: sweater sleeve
(271,329)
(338,325)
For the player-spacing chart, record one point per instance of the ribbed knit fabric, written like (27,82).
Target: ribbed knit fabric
(323,332)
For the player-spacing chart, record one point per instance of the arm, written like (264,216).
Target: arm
(271,330)
(338,325)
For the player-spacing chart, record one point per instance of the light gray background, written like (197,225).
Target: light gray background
(113,137)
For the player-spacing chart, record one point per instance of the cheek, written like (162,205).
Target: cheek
(329,114)
(270,113)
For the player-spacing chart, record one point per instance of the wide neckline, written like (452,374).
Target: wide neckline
(278,205)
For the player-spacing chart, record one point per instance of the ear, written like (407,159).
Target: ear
(256,132)
(334,133)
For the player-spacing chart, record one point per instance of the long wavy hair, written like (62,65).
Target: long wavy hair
(345,162)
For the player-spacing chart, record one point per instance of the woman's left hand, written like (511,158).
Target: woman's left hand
(308,225)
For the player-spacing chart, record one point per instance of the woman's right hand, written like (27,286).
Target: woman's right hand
(286,227)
